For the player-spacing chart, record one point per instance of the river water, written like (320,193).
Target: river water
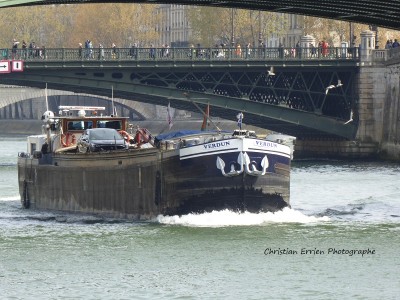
(340,240)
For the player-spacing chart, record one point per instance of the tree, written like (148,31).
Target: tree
(332,31)
(212,26)
(208,26)
(122,24)
(56,26)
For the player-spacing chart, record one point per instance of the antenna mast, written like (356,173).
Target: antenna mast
(45,95)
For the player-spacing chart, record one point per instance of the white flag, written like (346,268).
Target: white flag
(169,116)
(240,117)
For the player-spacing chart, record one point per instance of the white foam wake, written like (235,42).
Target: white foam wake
(10,198)
(230,218)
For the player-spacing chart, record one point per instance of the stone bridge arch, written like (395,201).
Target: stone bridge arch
(29,103)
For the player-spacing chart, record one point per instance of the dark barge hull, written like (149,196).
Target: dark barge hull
(141,184)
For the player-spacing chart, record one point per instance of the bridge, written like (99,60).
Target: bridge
(305,92)
(384,13)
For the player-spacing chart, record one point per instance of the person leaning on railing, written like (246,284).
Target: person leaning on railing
(152,53)
(14,48)
(113,51)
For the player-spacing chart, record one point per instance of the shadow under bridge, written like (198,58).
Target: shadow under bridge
(294,99)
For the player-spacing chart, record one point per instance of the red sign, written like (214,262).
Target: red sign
(5,66)
(17,65)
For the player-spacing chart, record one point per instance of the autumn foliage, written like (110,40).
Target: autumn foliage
(57,26)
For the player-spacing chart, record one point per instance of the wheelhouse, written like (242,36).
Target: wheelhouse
(80,122)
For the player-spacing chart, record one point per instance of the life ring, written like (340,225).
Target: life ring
(68,139)
(126,136)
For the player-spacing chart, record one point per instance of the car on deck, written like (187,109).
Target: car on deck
(101,139)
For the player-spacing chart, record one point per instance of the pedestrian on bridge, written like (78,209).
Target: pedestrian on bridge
(166,52)
(133,51)
(91,50)
(261,50)
(238,51)
(14,48)
(324,46)
(313,50)
(298,49)
(87,54)
(281,51)
(31,47)
(42,52)
(248,50)
(24,49)
(152,53)
(113,51)
(199,51)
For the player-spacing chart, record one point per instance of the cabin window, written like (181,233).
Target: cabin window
(79,125)
(115,124)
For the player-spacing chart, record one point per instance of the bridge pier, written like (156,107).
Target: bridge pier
(377,112)
(379,103)
(390,131)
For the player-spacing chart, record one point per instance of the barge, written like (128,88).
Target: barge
(135,175)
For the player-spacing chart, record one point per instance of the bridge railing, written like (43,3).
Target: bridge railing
(379,55)
(179,54)
(394,53)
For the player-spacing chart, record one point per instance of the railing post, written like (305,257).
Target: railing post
(63,54)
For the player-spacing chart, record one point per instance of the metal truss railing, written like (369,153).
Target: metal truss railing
(180,54)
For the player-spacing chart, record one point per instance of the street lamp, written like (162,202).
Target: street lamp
(233,34)
(259,29)
(351,35)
